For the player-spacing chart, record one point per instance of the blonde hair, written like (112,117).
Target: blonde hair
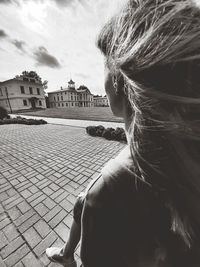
(154,46)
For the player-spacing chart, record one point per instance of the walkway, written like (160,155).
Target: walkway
(42,170)
(76,123)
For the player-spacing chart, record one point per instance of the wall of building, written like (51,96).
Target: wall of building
(19,94)
(101,102)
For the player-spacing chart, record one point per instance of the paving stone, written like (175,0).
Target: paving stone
(32,237)
(51,214)
(11,192)
(3,196)
(42,228)
(57,193)
(14,213)
(31,261)
(26,193)
(28,223)
(10,232)
(45,243)
(58,218)
(49,203)
(11,247)
(3,240)
(19,264)
(38,200)
(24,217)
(4,222)
(41,209)
(48,191)
(2,264)
(17,256)
(24,207)
(68,220)
(63,231)
(67,205)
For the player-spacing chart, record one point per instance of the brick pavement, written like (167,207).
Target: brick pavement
(42,170)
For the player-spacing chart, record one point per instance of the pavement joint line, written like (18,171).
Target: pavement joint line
(57,204)
(68,158)
(21,235)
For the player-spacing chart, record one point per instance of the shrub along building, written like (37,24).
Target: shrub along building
(71,97)
(22,93)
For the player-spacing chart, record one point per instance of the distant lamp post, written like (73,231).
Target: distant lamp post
(8,99)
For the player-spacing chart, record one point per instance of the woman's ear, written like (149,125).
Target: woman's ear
(115,92)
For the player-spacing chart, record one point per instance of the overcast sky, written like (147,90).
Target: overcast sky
(56,38)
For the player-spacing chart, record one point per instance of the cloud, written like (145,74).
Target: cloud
(82,75)
(43,58)
(5,1)
(3,34)
(62,3)
(19,44)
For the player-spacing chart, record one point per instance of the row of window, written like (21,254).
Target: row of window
(72,104)
(30,90)
(67,104)
(72,98)
(25,102)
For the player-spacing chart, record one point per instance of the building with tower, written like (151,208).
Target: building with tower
(71,97)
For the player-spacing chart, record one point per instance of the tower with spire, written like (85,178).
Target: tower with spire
(71,84)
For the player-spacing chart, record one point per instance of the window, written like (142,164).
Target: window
(54,98)
(1,93)
(61,97)
(25,102)
(72,97)
(62,104)
(31,90)
(58,98)
(59,104)
(40,103)
(38,91)
(72,104)
(66,104)
(22,89)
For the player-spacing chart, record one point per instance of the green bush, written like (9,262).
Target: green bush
(117,134)
(20,120)
(3,113)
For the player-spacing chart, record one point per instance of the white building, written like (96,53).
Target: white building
(22,93)
(101,101)
(71,97)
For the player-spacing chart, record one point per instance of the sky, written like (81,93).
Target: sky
(55,38)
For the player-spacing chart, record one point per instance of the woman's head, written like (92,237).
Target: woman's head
(152,47)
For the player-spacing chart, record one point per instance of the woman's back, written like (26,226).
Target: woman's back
(129,224)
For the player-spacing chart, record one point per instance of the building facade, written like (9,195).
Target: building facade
(101,101)
(71,97)
(22,93)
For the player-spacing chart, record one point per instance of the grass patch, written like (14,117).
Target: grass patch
(77,113)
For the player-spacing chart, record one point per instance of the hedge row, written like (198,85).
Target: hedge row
(20,120)
(117,134)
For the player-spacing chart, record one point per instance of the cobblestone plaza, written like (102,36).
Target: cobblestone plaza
(42,170)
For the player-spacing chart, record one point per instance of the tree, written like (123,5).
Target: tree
(33,74)
(45,84)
